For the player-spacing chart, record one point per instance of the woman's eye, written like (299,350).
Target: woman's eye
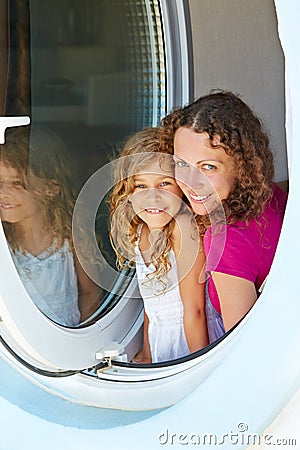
(181,164)
(140,186)
(208,167)
(165,183)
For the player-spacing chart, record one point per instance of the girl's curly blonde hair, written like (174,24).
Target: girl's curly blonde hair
(139,151)
(224,115)
(39,152)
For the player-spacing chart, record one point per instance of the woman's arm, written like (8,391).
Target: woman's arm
(144,355)
(190,259)
(236,295)
(89,293)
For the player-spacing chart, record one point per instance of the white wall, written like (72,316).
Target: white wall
(236,47)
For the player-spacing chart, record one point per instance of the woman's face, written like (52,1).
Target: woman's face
(205,174)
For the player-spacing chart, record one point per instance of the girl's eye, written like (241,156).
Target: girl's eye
(17,183)
(140,186)
(12,183)
(165,183)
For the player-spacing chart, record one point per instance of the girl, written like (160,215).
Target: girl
(224,165)
(152,230)
(36,204)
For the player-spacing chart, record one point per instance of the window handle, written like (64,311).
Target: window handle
(7,122)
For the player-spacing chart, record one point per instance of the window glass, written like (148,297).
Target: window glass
(88,73)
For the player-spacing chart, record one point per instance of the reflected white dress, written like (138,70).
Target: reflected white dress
(50,280)
(164,309)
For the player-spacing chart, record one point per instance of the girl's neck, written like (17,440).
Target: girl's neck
(33,238)
(146,242)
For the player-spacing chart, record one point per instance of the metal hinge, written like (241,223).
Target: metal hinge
(107,354)
(104,365)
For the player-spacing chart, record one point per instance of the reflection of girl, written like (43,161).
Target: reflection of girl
(222,153)
(147,216)
(36,202)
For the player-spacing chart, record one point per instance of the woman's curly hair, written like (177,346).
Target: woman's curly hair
(139,151)
(224,115)
(40,159)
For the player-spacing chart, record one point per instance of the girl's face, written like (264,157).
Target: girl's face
(157,197)
(205,174)
(16,203)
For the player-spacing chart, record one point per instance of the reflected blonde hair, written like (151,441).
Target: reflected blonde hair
(38,151)
(145,145)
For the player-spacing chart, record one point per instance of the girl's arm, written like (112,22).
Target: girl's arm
(144,355)
(89,293)
(236,295)
(190,259)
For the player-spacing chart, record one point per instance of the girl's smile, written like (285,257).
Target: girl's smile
(154,210)
(205,173)
(7,206)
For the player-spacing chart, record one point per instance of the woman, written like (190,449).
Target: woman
(224,166)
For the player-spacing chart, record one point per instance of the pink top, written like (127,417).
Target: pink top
(248,251)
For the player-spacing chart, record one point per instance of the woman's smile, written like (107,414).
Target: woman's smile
(199,198)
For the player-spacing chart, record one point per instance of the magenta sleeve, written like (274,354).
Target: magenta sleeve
(232,254)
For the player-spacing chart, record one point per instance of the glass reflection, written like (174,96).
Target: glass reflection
(90,72)
(36,205)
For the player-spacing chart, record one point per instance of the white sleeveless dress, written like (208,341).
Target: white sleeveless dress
(50,280)
(164,309)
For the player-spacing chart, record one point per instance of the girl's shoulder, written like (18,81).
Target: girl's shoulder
(185,234)
(185,223)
